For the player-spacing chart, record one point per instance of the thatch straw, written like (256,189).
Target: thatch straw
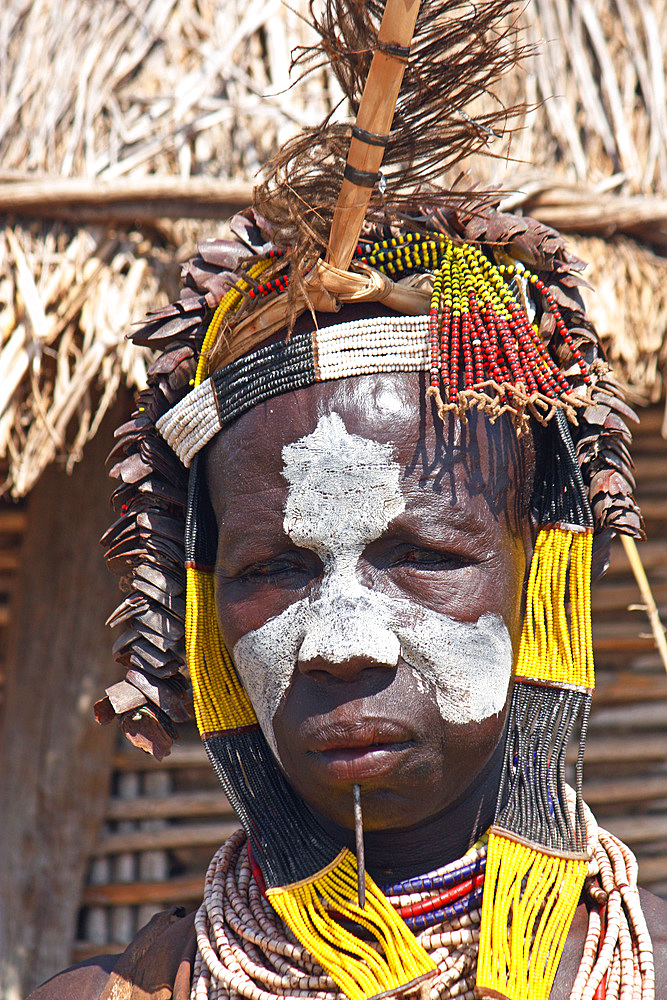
(165,95)
(113,96)
(69,304)
(598,90)
(111,89)
(627,301)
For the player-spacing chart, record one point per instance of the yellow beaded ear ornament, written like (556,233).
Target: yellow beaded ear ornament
(537,855)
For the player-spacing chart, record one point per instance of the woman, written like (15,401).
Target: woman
(395,472)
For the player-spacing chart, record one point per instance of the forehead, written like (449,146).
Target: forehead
(475,463)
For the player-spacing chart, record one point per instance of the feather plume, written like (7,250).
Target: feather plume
(458,54)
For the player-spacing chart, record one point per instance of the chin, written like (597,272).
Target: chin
(389,801)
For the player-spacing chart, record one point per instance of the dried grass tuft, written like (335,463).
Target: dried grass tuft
(598,92)
(199,88)
(627,302)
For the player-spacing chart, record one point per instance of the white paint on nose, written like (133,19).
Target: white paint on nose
(343,491)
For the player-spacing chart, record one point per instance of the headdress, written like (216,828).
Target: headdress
(487,306)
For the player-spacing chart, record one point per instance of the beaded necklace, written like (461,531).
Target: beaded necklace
(245,950)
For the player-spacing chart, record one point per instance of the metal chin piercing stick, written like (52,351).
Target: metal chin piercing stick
(359,841)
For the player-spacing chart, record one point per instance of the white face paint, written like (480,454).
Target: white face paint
(344,490)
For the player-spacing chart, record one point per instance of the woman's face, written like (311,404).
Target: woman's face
(369,578)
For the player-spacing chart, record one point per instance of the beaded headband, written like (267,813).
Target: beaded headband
(387,343)
(500,330)
(474,315)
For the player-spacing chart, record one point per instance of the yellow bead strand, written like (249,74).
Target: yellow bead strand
(530,897)
(555,647)
(359,969)
(220,700)
(230,302)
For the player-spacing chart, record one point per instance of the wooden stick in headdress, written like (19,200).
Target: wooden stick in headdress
(370,132)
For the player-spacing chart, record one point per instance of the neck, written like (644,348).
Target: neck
(395,855)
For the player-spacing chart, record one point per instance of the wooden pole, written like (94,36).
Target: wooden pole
(658,629)
(55,759)
(372,127)
(79,199)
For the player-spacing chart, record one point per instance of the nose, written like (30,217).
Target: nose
(343,644)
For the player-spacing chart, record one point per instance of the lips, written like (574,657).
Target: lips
(359,749)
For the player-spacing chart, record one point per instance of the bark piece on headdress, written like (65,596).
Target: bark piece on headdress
(154,490)
(156,658)
(161,460)
(133,658)
(174,604)
(221,255)
(169,694)
(159,620)
(180,322)
(253,231)
(128,609)
(124,697)
(150,730)
(131,469)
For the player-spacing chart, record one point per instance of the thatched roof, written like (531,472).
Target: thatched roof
(132,124)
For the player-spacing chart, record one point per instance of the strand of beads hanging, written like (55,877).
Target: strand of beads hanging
(245,949)
(443,895)
(485,349)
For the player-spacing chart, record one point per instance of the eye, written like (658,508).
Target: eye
(417,558)
(285,569)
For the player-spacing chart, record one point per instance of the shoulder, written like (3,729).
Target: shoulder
(82,982)
(159,959)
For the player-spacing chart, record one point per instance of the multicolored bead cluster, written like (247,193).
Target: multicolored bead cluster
(480,334)
(402,255)
(481,338)
(480,331)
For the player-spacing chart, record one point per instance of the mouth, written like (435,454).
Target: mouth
(360,750)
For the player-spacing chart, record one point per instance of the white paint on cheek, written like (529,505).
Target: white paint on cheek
(343,491)
(266,658)
(468,664)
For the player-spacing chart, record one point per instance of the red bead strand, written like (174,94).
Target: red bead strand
(445,898)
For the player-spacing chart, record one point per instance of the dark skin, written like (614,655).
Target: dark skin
(461,548)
